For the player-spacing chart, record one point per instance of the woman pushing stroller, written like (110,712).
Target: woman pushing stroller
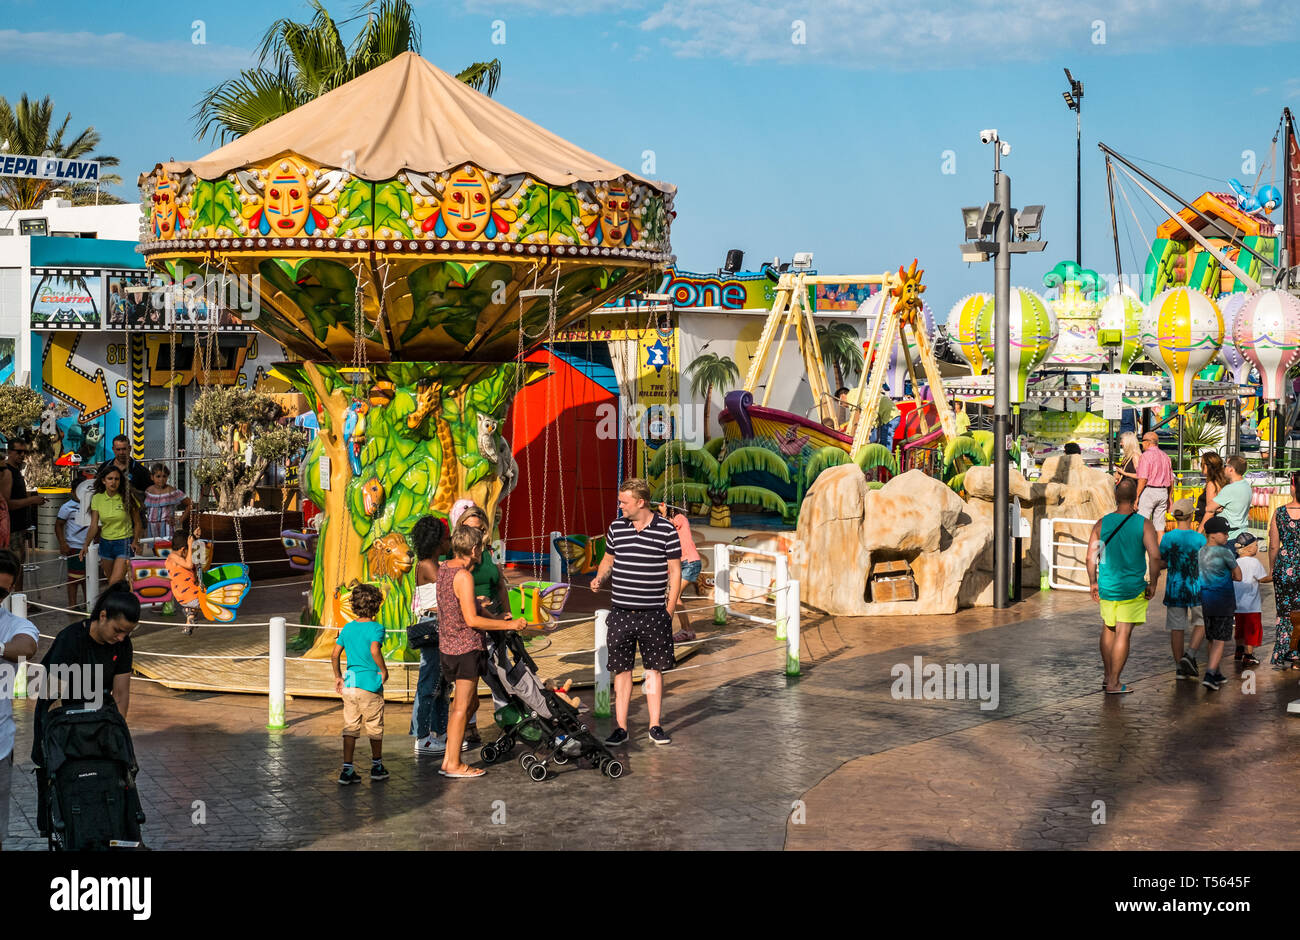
(460,643)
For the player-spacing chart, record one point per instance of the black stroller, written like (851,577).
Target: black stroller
(543,711)
(90,768)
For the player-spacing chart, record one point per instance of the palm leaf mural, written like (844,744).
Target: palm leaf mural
(876,458)
(672,452)
(823,459)
(450,295)
(654,221)
(356,206)
(324,291)
(749,459)
(962,453)
(681,492)
(392,210)
(755,496)
(958,484)
(985,441)
(714,445)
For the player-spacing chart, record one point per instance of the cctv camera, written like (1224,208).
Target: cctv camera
(989,136)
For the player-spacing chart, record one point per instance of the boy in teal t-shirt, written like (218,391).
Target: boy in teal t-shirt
(362,689)
(1179,550)
(1219,569)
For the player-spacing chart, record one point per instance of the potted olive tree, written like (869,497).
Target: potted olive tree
(243,434)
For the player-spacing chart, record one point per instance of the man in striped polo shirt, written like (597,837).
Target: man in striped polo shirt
(644,555)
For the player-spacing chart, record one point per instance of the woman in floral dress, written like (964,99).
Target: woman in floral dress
(1284,562)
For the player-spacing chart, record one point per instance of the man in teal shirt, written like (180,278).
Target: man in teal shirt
(1123,570)
(1233,501)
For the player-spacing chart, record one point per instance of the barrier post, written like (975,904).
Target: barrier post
(781,596)
(601,708)
(19,608)
(92,575)
(1044,554)
(556,561)
(721,582)
(275,675)
(792,631)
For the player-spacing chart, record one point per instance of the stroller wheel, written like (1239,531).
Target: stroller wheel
(526,760)
(505,744)
(559,757)
(489,754)
(537,770)
(613,769)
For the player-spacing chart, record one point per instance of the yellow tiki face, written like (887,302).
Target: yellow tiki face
(615,214)
(287,201)
(467,203)
(163,215)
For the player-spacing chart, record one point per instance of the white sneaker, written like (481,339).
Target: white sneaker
(432,744)
(1293,708)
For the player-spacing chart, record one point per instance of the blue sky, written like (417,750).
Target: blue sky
(835,145)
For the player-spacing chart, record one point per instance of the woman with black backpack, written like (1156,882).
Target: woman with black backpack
(429,714)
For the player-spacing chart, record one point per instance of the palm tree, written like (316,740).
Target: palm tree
(841,350)
(299,62)
(27,130)
(707,371)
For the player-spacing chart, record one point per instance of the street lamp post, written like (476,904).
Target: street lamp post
(1001,221)
(1074,101)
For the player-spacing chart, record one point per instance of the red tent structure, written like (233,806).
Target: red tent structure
(564,431)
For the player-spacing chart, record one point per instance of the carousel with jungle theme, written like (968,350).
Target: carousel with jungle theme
(412,242)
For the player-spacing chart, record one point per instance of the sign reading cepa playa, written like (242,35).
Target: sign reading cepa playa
(49,168)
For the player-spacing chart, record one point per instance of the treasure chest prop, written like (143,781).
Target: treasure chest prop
(892,581)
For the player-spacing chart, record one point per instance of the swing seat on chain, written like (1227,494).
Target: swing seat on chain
(301,549)
(580,554)
(537,601)
(149,580)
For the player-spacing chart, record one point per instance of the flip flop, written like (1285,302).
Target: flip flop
(1123,689)
(479,773)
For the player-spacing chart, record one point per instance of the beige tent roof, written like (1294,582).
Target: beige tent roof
(409,114)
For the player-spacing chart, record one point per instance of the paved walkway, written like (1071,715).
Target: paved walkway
(1177,766)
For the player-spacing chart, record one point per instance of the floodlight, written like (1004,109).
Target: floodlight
(1029,221)
(979,220)
(802,260)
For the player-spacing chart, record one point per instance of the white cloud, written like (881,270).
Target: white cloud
(954,33)
(120,51)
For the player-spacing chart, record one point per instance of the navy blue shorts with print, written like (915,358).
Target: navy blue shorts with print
(651,628)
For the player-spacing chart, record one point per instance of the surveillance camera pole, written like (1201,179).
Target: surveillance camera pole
(1001,386)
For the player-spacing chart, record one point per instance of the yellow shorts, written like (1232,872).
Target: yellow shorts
(1131,611)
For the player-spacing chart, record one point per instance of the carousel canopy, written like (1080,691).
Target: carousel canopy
(412,210)
(408,114)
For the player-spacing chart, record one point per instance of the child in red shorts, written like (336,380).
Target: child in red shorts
(1249,619)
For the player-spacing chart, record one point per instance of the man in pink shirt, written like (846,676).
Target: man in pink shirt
(1155,476)
(691,564)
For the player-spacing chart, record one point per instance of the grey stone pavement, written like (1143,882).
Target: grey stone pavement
(748,742)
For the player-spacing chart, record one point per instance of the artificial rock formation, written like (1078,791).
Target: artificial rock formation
(845,528)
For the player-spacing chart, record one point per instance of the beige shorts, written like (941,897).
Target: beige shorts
(363,710)
(1183,618)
